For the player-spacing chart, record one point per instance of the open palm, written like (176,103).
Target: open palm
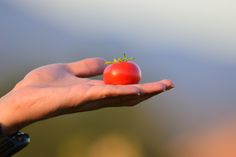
(58,89)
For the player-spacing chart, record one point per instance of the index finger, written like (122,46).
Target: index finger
(87,67)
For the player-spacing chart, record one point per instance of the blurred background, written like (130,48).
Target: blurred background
(192,42)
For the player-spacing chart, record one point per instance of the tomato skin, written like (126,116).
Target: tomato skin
(122,73)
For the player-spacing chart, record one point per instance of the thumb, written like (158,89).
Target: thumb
(87,67)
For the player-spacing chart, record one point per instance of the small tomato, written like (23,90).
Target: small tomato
(122,71)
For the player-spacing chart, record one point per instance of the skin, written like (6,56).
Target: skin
(58,89)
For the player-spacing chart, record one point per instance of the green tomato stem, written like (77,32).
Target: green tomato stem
(118,60)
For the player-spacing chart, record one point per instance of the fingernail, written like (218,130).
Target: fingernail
(164,88)
(168,83)
(172,85)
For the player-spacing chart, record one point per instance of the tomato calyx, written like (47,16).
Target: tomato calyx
(118,60)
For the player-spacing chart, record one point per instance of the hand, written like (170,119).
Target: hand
(57,89)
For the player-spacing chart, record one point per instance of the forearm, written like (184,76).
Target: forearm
(13,112)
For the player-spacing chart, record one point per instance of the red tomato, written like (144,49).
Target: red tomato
(122,73)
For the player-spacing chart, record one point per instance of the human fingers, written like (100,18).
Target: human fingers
(155,87)
(168,83)
(87,67)
(104,91)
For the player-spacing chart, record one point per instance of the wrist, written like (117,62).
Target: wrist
(6,121)
(9,119)
(22,107)
(11,140)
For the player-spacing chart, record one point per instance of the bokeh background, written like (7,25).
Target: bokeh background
(192,42)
